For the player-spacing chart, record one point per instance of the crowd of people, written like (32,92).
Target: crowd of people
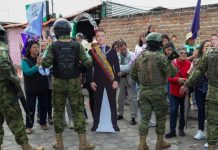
(148,78)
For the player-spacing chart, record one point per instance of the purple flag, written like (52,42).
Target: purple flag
(33,31)
(196,21)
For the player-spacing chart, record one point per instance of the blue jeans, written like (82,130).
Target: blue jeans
(200,100)
(175,103)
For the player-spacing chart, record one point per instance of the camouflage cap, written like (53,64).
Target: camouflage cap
(154,36)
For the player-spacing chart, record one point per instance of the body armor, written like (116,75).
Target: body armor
(66,59)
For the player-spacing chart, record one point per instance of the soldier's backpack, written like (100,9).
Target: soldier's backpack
(149,73)
(213,67)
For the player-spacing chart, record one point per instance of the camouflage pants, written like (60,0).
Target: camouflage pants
(152,99)
(12,115)
(212,120)
(71,89)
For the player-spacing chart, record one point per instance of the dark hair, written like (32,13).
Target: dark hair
(174,35)
(29,45)
(201,47)
(140,43)
(121,42)
(99,30)
(44,42)
(182,48)
(149,27)
(214,35)
(165,36)
(153,45)
(115,43)
(169,44)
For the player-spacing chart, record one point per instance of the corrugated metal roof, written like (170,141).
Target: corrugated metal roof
(86,10)
(115,9)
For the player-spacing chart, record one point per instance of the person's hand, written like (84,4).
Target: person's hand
(183,90)
(181,81)
(120,74)
(93,86)
(38,61)
(115,85)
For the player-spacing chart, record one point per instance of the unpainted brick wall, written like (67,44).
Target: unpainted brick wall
(177,21)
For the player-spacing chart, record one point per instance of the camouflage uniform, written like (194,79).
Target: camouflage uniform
(208,63)
(11,113)
(152,97)
(67,88)
(150,71)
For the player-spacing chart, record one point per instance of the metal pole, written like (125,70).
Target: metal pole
(52,8)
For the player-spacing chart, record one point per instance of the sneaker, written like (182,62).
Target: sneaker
(119,117)
(200,135)
(44,127)
(170,135)
(71,125)
(29,130)
(206,145)
(133,122)
(181,133)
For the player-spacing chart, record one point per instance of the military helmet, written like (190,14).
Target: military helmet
(2,30)
(154,36)
(62,27)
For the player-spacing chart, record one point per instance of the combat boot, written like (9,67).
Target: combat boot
(58,143)
(161,144)
(143,144)
(211,147)
(29,147)
(83,144)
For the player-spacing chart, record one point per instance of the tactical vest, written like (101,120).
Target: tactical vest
(66,59)
(149,73)
(4,62)
(213,67)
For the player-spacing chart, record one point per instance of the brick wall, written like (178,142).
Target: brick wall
(177,21)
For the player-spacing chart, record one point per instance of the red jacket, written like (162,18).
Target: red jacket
(183,67)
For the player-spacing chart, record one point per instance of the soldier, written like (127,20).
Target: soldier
(10,113)
(150,71)
(208,63)
(65,54)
